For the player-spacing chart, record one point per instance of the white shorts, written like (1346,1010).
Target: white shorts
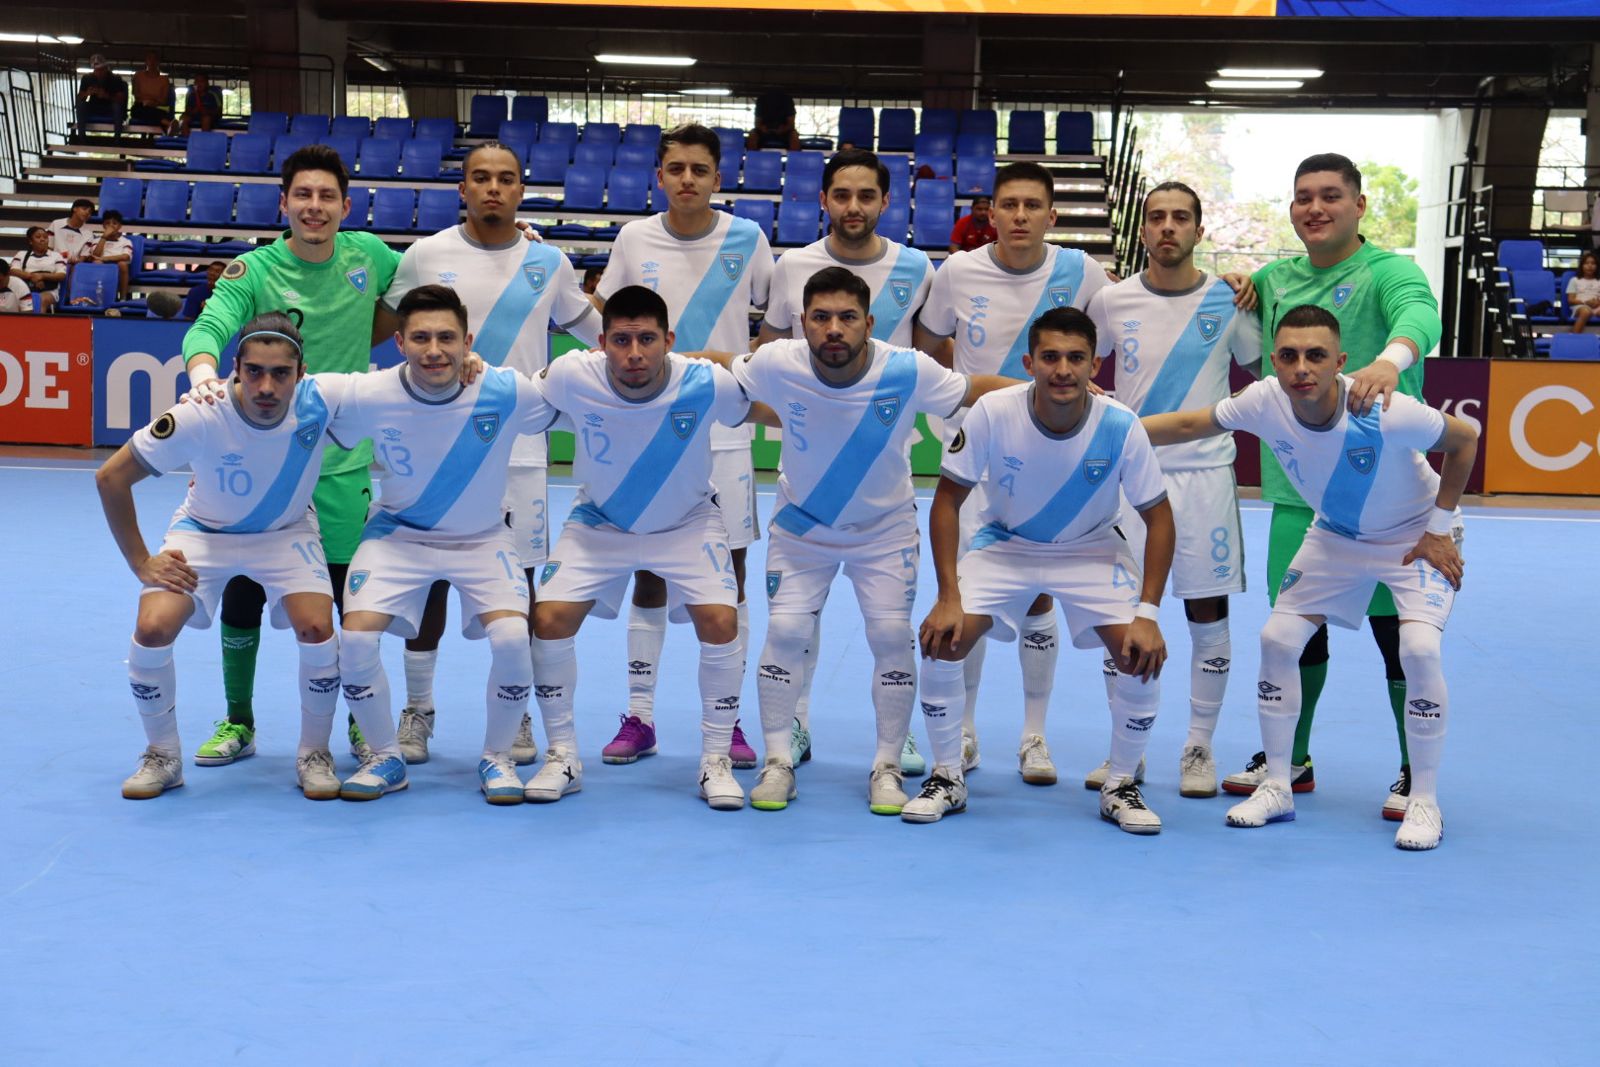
(392,577)
(734,481)
(1334,576)
(526,503)
(799,574)
(1209,558)
(283,562)
(595,563)
(1096,584)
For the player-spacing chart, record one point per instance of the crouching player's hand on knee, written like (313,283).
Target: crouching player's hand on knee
(1144,650)
(942,628)
(168,570)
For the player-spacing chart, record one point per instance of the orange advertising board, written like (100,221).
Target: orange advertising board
(46,380)
(1544,427)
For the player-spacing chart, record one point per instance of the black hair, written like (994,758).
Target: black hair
(689,134)
(111,213)
(466,164)
(1333,161)
(1308,316)
(83,201)
(837,280)
(856,157)
(1063,320)
(431,298)
(264,326)
(634,302)
(35,229)
(1026,172)
(1172,187)
(316,157)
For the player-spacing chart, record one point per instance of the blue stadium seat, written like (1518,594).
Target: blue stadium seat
(393,210)
(1025,134)
(441,130)
(96,282)
(1520,255)
(601,133)
(595,154)
(270,123)
(897,129)
(975,175)
(437,209)
(350,126)
(392,129)
(559,133)
(286,145)
(312,126)
(642,133)
(899,175)
(379,157)
(523,149)
(895,222)
(525,131)
(534,108)
(584,189)
(1535,288)
(933,191)
(123,194)
(940,120)
(804,166)
(1075,133)
(256,206)
(975,144)
(360,208)
(168,201)
(487,112)
(628,189)
(547,163)
(250,153)
(637,155)
(211,204)
(799,222)
(979,120)
(420,159)
(761,212)
(348,148)
(855,126)
(931,225)
(934,150)
(732,142)
(1585,346)
(807,187)
(207,152)
(763,172)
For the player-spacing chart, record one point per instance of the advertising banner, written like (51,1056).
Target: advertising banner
(1543,427)
(46,380)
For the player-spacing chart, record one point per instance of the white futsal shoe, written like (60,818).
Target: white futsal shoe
(1197,772)
(1271,802)
(1096,779)
(718,787)
(1122,803)
(1422,828)
(1034,763)
(561,774)
(944,792)
(157,773)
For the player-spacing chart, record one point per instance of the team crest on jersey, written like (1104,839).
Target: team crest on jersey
(358,278)
(1341,295)
(548,573)
(1209,326)
(901,292)
(684,422)
(774,579)
(307,435)
(887,409)
(1289,578)
(535,275)
(358,579)
(1095,470)
(486,426)
(1361,459)
(1061,296)
(732,264)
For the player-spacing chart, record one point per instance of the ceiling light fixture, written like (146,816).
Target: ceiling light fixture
(1253,83)
(644,61)
(708,92)
(1269,72)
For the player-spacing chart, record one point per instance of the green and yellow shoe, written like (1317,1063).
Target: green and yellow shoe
(358,744)
(230,743)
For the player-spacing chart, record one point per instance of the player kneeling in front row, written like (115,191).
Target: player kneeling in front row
(1053,457)
(255,460)
(1382,515)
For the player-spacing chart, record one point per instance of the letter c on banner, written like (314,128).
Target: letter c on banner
(1519,428)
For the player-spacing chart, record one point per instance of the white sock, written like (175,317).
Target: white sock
(1211,652)
(647,632)
(721,678)
(971,675)
(943,689)
(802,707)
(777,680)
(743,637)
(1283,639)
(1037,651)
(154,681)
(1427,705)
(1108,675)
(510,679)
(1134,704)
(319,693)
(894,690)
(366,689)
(419,678)
(555,664)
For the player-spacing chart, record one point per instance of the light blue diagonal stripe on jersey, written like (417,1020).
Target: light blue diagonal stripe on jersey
(660,456)
(705,307)
(1345,496)
(1059,511)
(310,410)
(1065,274)
(857,455)
(887,314)
(497,396)
(1189,353)
(515,303)
(990,533)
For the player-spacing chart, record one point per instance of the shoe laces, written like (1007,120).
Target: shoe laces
(1128,793)
(632,730)
(911,744)
(1191,758)
(738,734)
(936,787)
(1034,750)
(316,760)
(769,769)
(1402,784)
(717,766)
(1258,762)
(229,729)
(414,726)
(151,760)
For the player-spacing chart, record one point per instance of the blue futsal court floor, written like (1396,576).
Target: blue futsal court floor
(234,921)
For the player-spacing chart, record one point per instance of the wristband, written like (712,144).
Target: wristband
(1400,355)
(1147,610)
(1441,522)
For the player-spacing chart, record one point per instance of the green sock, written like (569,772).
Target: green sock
(239,648)
(1311,679)
(1397,701)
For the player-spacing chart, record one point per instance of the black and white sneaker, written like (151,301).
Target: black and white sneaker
(1122,803)
(1394,805)
(944,792)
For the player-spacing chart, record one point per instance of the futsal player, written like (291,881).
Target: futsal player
(1172,331)
(855,191)
(1382,516)
(1054,457)
(1389,320)
(710,267)
(644,502)
(255,461)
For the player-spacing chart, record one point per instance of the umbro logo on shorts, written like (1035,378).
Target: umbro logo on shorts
(1141,723)
(233,459)
(323,685)
(1435,600)
(513,692)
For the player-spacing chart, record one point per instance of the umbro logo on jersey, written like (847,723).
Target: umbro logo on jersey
(1209,326)
(1362,459)
(684,422)
(145,692)
(1341,295)
(1422,707)
(732,264)
(547,691)
(1012,463)
(1267,691)
(1217,665)
(1095,470)
(1141,722)
(391,434)
(1061,296)
(358,279)
(887,409)
(901,293)
(356,692)
(796,410)
(513,692)
(448,277)
(549,572)
(896,678)
(307,435)
(535,276)
(323,685)
(358,579)
(486,426)
(591,419)
(233,459)
(1289,578)
(1130,324)
(288,294)
(774,579)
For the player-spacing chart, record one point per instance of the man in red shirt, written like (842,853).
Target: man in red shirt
(974,229)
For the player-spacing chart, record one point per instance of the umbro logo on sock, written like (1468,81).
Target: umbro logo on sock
(1267,689)
(238,642)
(356,692)
(547,692)
(514,692)
(323,685)
(145,692)
(1215,666)
(1423,709)
(727,703)
(1141,723)
(896,678)
(1039,640)
(775,673)
(638,666)
(933,711)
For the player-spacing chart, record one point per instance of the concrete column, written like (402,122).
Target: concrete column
(949,62)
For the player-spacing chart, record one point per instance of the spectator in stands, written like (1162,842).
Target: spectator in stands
(1583,291)
(974,229)
(40,267)
(199,294)
(15,296)
(162,304)
(591,279)
(102,96)
(774,123)
(152,94)
(203,106)
(111,247)
(69,235)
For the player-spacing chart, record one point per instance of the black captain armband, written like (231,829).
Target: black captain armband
(958,443)
(162,428)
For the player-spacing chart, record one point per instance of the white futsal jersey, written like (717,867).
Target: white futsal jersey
(899,278)
(988,308)
(643,465)
(1052,489)
(247,478)
(445,460)
(1365,476)
(1171,352)
(709,282)
(512,293)
(846,477)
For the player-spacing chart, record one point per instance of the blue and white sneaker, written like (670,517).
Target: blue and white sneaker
(799,744)
(497,777)
(376,776)
(912,762)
